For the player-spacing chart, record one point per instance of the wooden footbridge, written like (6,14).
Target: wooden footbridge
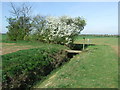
(77,49)
(73,51)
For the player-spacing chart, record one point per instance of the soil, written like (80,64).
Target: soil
(11,47)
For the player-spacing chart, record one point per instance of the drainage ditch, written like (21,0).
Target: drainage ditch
(76,49)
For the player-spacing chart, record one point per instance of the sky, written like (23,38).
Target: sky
(101,17)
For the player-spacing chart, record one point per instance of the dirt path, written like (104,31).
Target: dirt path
(11,47)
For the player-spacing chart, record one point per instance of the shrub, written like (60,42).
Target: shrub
(60,30)
(22,68)
(18,28)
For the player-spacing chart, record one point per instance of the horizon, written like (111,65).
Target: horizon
(83,34)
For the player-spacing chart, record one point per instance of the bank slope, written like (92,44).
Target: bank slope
(97,67)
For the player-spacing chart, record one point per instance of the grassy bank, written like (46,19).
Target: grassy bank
(95,68)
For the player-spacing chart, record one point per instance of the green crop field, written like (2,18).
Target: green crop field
(95,67)
(22,60)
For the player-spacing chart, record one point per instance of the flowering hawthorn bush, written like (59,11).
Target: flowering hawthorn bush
(59,30)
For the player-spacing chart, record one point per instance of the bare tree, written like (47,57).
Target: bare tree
(24,10)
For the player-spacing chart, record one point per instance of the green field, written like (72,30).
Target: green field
(95,67)
(13,46)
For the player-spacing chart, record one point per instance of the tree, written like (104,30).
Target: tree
(39,28)
(59,30)
(20,22)
(39,23)
(23,10)
(64,28)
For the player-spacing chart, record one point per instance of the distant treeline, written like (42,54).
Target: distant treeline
(100,35)
(3,33)
(97,35)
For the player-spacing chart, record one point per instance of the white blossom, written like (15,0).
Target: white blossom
(60,27)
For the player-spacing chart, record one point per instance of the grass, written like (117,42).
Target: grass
(30,65)
(96,67)
(98,40)
(10,47)
(13,46)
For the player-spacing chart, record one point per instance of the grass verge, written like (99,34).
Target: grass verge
(95,68)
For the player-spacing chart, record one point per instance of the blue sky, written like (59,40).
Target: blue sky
(101,17)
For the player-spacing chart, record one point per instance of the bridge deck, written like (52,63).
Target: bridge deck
(73,51)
